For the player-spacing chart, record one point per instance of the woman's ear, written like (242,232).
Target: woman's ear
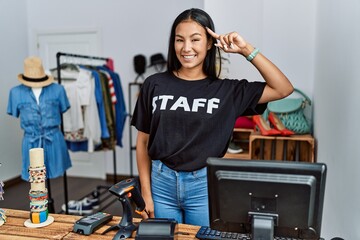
(210,43)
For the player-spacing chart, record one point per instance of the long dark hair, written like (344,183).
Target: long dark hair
(204,20)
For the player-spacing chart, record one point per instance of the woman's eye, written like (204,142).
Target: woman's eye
(178,40)
(196,40)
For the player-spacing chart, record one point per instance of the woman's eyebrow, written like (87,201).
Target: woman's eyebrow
(192,35)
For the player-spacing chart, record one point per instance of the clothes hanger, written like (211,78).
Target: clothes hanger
(68,67)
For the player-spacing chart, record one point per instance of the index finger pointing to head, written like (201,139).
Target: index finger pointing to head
(213,34)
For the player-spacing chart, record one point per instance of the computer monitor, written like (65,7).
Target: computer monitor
(266,198)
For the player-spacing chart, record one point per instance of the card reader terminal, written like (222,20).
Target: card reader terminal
(88,224)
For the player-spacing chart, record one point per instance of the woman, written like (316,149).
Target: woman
(187,114)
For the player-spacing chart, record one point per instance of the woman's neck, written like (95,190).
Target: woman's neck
(190,75)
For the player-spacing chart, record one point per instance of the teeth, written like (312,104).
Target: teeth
(188,57)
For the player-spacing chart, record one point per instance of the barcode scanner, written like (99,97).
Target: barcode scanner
(126,190)
(129,188)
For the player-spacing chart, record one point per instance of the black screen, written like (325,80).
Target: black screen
(290,193)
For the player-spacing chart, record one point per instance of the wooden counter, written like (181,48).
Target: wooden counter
(62,226)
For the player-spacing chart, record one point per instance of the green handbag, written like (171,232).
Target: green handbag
(291,112)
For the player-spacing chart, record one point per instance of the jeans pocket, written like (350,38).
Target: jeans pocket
(200,175)
(156,169)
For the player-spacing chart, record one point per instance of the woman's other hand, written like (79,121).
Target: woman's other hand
(149,208)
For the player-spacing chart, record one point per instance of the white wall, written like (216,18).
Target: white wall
(250,26)
(336,100)
(281,29)
(289,34)
(13,50)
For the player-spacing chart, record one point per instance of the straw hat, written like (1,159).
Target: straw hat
(34,74)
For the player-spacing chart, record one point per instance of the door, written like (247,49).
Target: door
(84,164)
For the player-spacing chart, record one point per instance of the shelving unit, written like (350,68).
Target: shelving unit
(299,148)
(241,136)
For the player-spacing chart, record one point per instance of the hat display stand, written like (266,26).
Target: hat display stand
(2,212)
(133,91)
(132,94)
(38,194)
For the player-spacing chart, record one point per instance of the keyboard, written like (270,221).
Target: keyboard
(206,233)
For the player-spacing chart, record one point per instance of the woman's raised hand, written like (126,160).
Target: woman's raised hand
(231,42)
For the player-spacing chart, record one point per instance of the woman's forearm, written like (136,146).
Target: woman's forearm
(278,85)
(143,163)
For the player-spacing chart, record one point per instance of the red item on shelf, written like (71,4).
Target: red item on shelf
(244,122)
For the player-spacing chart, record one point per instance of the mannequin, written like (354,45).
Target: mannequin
(37,92)
(39,102)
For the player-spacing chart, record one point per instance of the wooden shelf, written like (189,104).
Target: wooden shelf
(241,136)
(243,130)
(256,146)
(292,148)
(242,155)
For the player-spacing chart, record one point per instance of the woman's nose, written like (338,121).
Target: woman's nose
(187,46)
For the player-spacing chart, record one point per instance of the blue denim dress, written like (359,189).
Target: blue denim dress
(41,126)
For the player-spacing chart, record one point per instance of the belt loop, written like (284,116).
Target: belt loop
(160,166)
(200,171)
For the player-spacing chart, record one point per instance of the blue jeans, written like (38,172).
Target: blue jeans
(180,195)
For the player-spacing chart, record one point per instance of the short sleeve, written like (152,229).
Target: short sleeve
(142,114)
(12,108)
(250,93)
(64,101)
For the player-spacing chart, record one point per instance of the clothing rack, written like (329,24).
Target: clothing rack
(98,188)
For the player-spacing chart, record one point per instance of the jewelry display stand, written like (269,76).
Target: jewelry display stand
(38,194)
(2,212)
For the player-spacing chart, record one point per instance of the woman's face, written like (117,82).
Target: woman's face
(191,44)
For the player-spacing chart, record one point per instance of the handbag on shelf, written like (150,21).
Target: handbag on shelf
(290,111)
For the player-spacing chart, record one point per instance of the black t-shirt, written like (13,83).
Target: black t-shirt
(189,121)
